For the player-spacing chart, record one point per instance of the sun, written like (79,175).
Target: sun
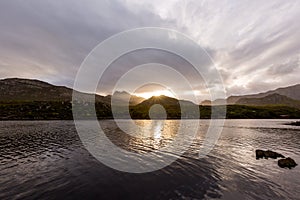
(156,93)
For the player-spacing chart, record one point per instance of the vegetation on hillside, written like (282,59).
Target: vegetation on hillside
(63,111)
(24,99)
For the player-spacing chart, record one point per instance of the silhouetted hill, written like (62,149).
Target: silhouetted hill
(23,99)
(292,92)
(16,89)
(165,101)
(174,108)
(121,98)
(272,99)
(33,99)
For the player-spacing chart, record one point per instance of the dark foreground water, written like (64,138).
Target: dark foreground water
(46,160)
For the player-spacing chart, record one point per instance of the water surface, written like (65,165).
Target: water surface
(46,160)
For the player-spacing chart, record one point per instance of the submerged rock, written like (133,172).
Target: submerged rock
(287,162)
(267,154)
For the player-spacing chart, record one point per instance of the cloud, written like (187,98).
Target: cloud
(285,68)
(38,36)
(255,44)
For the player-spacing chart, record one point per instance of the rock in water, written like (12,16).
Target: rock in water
(267,154)
(297,123)
(259,154)
(287,162)
(272,154)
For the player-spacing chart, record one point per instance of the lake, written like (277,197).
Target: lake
(46,160)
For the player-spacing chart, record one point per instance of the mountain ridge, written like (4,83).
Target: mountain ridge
(17,89)
(292,92)
(271,99)
(23,99)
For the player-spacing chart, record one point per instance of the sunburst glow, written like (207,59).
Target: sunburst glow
(148,95)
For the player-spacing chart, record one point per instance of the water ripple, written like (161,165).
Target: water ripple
(46,160)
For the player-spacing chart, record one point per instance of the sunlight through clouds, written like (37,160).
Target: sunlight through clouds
(49,40)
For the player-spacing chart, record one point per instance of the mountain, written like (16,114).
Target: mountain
(174,108)
(16,89)
(23,99)
(292,92)
(24,90)
(121,98)
(272,99)
(164,101)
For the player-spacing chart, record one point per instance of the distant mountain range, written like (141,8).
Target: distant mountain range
(16,89)
(289,96)
(272,99)
(34,99)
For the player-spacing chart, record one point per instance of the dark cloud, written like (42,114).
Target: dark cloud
(285,68)
(49,39)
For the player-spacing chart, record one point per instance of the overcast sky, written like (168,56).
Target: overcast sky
(255,44)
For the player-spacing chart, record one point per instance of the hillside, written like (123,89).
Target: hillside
(26,90)
(292,92)
(32,90)
(121,98)
(272,99)
(23,99)
(174,108)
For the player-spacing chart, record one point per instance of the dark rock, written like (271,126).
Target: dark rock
(297,123)
(259,154)
(272,154)
(287,162)
(267,154)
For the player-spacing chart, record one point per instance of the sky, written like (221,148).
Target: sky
(255,45)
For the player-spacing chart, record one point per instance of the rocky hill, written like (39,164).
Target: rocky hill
(174,108)
(292,92)
(272,99)
(121,98)
(22,99)
(26,90)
